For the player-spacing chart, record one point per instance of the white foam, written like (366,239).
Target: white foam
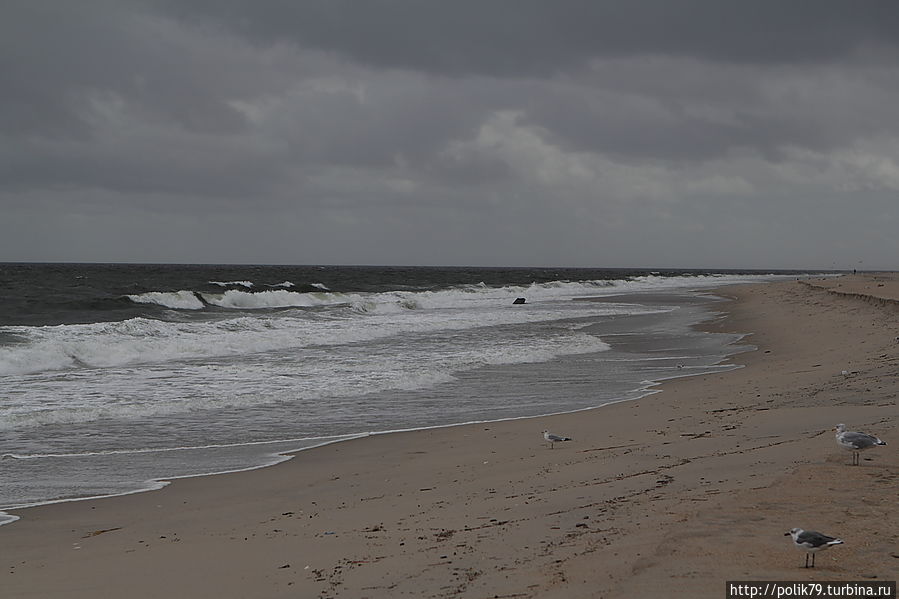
(312,374)
(155,484)
(186,448)
(264,299)
(349,318)
(461,296)
(178,300)
(247,284)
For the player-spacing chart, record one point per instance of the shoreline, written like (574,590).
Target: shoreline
(633,505)
(642,389)
(651,387)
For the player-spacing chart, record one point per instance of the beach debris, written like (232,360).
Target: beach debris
(444,534)
(811,542)
(100,532)
(519,300)
(855,442)
(553,439)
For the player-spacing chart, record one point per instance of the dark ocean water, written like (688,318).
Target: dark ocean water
(116,375)
(48,294)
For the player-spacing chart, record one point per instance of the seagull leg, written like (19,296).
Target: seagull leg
(813,559)
(806,560)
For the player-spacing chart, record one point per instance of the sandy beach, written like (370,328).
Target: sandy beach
(670,495)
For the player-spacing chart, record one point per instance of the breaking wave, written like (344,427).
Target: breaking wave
(318,294)
(177,300)
(247,284)
(311,319)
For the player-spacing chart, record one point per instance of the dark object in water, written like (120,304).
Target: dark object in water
(518,300)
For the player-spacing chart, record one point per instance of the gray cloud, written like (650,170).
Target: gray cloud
(525,132)
(684,110)
(522,37)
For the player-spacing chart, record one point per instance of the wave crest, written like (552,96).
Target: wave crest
(177,300)
(247,284)
(279,298)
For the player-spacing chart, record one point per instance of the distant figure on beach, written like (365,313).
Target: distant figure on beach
(812,542)
(553,439)
(855,442)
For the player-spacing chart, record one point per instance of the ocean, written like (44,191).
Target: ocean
(115,377)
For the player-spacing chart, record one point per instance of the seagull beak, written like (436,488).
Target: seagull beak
(786,534)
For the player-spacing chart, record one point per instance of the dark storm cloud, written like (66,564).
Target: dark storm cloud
(536,37)
(59,59)
(390,117)
(522,39)
(705,111)
(621,129)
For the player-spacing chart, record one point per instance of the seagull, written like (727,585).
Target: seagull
(553,439)
(812,542)
(855,442)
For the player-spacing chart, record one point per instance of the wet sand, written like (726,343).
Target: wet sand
(670,495)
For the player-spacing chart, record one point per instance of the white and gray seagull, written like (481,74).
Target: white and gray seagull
(553,439)
(855,442)
(811,542)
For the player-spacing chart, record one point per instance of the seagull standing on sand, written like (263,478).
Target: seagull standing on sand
(855,442)
(553,439)
(811,542)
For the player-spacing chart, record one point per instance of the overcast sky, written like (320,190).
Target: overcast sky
(638,133)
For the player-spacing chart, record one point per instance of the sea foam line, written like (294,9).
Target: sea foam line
(159,483)
(645,390)
(144,450)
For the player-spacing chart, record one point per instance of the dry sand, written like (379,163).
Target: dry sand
(670,495)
